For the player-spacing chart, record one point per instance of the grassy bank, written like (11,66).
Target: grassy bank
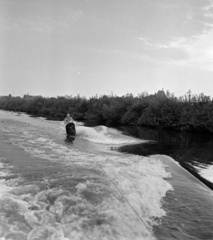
(161,110)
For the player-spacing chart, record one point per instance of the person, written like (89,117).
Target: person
(70,127)
(68,119)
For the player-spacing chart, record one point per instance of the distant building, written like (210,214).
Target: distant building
(160,94)
(28,97)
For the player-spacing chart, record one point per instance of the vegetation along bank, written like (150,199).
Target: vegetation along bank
(161,110)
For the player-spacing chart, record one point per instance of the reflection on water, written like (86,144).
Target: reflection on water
(192,151)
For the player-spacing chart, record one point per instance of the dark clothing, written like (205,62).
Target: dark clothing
(70,129)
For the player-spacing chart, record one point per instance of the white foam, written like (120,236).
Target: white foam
(128,189)
(41,139)
(4,188)
(4,172)
(134,178)
(4,168)
(207,172)
(104,135)
(141,181)
(128,211)
(61,126)
(81,187)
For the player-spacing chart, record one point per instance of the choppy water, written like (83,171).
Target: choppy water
(193,151)
(53,189)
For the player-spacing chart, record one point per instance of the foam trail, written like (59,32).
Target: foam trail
(104,135)
(129,207)
(101,134)
(4,172)
(128,212)
(69,193)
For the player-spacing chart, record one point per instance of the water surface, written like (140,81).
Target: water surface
(53,189)
(193,151)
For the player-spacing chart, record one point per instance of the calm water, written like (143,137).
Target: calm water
(99,187)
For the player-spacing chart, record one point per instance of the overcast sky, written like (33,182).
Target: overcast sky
(89,47)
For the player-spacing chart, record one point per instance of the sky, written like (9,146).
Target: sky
(96,47)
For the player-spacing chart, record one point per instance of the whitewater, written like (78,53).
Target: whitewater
(53,189)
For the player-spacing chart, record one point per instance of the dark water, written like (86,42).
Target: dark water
(193,151)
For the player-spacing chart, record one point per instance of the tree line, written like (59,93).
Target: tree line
(161,110)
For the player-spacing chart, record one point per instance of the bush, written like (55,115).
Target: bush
(187,113)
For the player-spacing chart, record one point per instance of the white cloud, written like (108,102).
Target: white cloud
(209,6)
(189,17)
(199,50)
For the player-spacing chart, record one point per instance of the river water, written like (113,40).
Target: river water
(193,151)
(102,186)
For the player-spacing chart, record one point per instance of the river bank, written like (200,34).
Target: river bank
(189,113)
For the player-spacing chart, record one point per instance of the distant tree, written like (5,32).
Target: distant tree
(186,113)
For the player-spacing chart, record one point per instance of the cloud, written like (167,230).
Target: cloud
(194,50)
(208,13)
(199,50)
(209,6)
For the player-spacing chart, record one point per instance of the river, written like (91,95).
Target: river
(193,151)
(108,184)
